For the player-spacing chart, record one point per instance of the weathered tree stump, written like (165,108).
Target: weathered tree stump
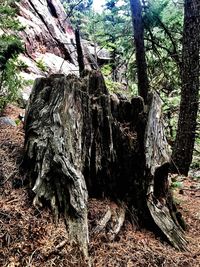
(80,141)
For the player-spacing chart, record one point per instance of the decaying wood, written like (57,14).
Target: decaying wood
(116,222)
(54,152)
(112,221)
(103,222)
(157,159)
(80,141)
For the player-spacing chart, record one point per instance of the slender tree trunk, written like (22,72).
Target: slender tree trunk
(79,52)
(114,64)
(143,83)
(185,138)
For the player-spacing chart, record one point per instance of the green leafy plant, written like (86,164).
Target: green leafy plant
(41,65)
(17,121)
(176,184)
(10,47)
(11,83)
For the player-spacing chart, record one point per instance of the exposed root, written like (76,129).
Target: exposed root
(111,222)
(172,231)
(103,222)
(116,223)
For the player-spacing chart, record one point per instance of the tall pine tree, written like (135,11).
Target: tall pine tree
(185,138)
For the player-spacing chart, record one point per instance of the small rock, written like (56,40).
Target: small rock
(7,121)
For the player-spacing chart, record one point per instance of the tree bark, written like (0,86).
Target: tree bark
(81,141)
(143,83)
(79,52)
(185,138)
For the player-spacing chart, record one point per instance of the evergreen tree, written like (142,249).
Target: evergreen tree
(77,10)
(10,47)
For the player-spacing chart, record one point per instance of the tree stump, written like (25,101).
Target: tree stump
(81,141)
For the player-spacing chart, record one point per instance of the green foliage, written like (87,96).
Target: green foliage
(163,22)
(8,11)
(29,82)
(77,11)
(112,29)
(41,65)
(106,70)
(176,184)
(10,47)
(11,83)
(113,87)
(22,65)
(17,121)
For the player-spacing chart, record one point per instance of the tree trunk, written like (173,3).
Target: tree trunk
(79,52)
(81,141)
(143,83)
(185,138)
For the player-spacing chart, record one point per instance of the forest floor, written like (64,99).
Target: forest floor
(29,237)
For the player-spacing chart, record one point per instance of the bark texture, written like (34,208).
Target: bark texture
(184,143)
(143,83)
(79,52)
(82,141)
(159,200)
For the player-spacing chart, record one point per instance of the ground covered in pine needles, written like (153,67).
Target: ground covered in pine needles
(29,237)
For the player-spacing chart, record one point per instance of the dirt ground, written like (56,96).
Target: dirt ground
(29,237)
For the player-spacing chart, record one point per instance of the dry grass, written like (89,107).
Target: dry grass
(29,237)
